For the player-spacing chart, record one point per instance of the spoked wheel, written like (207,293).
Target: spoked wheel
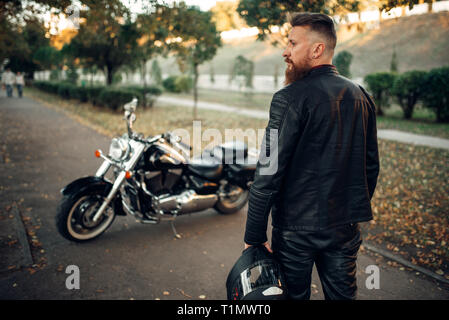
(75,217)
(231,199)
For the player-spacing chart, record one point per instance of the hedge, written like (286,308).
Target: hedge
(178,84)
(110,97)
(114,98)
(379,84)
(148,94)
(408,88)
(436,92)
(65,90)
(431,88)
(93,94)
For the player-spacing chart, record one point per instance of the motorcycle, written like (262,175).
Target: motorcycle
(153,181)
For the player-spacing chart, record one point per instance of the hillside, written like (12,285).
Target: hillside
(421,42)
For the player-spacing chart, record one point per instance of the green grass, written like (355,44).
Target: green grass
(422,122)
(258,101)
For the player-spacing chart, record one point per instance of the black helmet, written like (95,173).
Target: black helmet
(256,276)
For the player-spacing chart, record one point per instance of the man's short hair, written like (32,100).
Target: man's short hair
(317,22)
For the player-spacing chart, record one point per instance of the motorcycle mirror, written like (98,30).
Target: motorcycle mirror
(131,106)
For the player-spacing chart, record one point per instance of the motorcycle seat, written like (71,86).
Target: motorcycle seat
(207,168)
(230,151)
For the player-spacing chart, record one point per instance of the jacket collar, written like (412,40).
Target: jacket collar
(323,68)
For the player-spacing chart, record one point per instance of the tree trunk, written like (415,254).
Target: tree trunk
(380,112)
(109,75)
(408,110)
(195,90)
(143,74)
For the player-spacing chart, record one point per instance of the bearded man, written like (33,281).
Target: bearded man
(327,165)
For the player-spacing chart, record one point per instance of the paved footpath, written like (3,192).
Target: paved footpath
(41,150)
(395,135)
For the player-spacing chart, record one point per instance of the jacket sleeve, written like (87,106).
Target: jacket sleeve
(372,151)
(280,140)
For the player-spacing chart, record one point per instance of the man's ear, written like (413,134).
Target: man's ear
(318,50)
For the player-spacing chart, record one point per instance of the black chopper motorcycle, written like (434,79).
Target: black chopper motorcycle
(153,181)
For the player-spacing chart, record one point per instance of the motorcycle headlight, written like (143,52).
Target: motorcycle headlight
(119,149)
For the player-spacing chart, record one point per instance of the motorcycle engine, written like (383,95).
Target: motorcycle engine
(162,181)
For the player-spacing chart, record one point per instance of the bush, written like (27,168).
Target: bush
(115,98)
(342,62)
(64,89)
(408,88)
(169,84)
(436,93)
(178,84)
(379,84)
(147,94)
(184,83)
(79,93)
(47,86)
(93,94)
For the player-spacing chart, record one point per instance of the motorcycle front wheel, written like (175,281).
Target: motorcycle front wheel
(75,216)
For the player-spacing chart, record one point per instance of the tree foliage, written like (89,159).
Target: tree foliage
(17,19)
(195,40)
(266,14)
(243,68)
(394,62)
(225,16)
(106,38)
(25,43)
(436,92)
(380,84)
(408,89)
(47,57)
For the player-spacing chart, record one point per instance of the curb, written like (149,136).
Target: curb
(27,258)
(406,263)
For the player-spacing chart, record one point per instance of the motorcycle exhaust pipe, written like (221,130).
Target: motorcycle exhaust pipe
(187,202)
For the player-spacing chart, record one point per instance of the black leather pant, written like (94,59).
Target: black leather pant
(334,251)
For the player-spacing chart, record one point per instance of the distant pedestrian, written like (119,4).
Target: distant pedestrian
(8,80)
(20,83)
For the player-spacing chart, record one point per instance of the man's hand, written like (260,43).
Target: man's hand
(266,245)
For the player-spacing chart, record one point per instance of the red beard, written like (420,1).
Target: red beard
(294,73)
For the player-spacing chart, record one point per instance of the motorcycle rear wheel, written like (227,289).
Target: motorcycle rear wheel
(75,213)
(232,201)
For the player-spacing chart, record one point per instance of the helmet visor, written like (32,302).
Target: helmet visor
(260,275)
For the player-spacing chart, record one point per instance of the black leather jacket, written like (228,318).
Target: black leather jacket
(327,157)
